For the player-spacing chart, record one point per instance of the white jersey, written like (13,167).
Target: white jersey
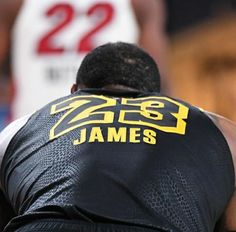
(8,133)
(51,37)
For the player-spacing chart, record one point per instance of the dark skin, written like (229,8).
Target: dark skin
(151,21)
(8,13)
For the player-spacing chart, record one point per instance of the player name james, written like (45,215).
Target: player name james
(116,135)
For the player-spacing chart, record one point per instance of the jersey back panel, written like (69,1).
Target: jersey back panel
(135,160)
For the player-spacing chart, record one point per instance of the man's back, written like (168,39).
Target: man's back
(143,155)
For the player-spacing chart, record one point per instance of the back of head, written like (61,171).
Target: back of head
(119,64)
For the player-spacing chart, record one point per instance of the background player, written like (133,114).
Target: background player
(118,155)
(50,38)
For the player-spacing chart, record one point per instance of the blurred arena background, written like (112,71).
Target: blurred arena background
(200,56)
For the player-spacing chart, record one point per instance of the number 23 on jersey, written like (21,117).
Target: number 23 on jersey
(153,113)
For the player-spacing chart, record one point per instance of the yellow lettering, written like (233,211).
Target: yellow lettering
(96,135)
(149,136)
(116,136)
(134,134)
(82,138)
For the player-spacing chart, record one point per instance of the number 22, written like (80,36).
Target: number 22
(45,45)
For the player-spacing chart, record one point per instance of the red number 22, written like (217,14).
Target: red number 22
(46,45)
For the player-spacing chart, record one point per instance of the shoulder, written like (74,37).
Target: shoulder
(8,133)
(226,126)
(228,129)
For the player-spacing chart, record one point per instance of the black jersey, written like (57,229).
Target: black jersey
(140,159)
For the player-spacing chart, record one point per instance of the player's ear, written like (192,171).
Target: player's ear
(74,88)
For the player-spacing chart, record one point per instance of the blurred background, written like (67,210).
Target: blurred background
(193,41)
(202,55)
